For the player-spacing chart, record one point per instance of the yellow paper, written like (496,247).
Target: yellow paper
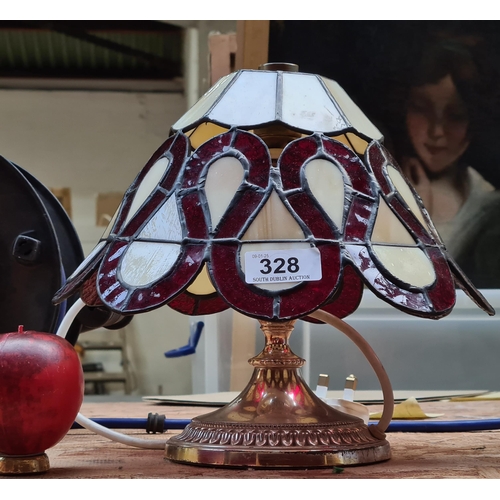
(489,396)
(407,410)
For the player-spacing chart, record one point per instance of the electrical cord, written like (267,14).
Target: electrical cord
(88,423)
(444,425)
(415,426)
(103,426)
(352,334)
(140,423)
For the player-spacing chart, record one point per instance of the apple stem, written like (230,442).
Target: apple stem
(20,329)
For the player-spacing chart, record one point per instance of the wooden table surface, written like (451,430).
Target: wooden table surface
(82,454)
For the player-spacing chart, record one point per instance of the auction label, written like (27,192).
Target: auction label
(275,266)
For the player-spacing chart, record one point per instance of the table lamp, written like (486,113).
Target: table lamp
(274,196)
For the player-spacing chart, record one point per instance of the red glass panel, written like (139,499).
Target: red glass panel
(293,158)
(184,303)
(415,303)
(315,220)
(251,151)
(239,214)
(192,209)
(412,223)
(226,272)
(378,158)
(207,152)
(89,293)
(377,161)
(109,289)
(198,305)
(442,293)
(149,297)
(139,220)
(73,284)
(176,147)
(359,219)
(297,302)
(257,154)
(358,175)
(227,278)
(347,298)
(179,152)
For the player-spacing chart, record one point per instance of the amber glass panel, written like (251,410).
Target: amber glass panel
(203,132)
(359,145)
(202,285)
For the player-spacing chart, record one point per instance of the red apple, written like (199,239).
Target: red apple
(41,391)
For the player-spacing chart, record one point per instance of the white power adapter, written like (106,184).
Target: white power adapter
(345,404)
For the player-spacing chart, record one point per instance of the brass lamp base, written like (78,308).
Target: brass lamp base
(24,465)
(278,422)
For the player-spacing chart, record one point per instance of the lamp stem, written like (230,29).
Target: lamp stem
(277,421)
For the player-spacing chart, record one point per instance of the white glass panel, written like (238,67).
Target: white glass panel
(307,105)
(148,184)
(204,104)
(251,100)
(410,265)
(388,228)
(144,263)
(274,221)
(202,285)
(327,185)
(402,186)
(223,179)
(165,223)
(89,257)
(353,113)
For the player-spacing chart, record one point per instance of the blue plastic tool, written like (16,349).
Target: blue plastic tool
(190,348)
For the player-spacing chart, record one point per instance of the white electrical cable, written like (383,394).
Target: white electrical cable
(86,422)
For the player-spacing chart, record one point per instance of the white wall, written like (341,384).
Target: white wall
(96,142)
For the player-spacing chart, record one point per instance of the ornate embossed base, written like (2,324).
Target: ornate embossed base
(24,465)
(278,422)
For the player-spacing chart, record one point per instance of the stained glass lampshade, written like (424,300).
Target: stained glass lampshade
(273,196)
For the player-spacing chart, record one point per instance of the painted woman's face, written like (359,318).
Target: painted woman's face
(437,123)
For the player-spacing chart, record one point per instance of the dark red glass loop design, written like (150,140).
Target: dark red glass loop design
(78,279)
(176,149)
(198,305)
(378,158)
(347,298)
(346,255)
(193,218)
(229,280)
(356,171)
(170,285)
(225,265)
